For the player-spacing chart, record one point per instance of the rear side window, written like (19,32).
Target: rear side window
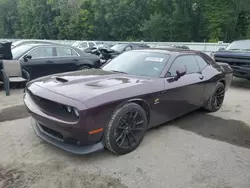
(187,61)
(91,44)
(84,45)
(202,63)
(65,52)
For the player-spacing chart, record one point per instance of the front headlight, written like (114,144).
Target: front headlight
(69,109)
(76,112)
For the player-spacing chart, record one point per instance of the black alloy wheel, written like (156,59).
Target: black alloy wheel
(126,129)
(219,97)
(130,130)
(215,102)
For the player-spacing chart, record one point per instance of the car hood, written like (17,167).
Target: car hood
(232,53)
(88,84)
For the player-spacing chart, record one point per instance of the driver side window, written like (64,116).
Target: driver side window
(187,61)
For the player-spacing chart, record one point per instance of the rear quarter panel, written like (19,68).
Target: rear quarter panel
(214,74)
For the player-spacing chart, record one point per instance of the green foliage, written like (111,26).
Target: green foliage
(132,20)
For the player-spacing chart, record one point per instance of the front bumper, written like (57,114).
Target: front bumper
(241,72)
(71,136)
(80,150)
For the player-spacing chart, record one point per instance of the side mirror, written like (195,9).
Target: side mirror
(26,57)
(221,49)
(179,73)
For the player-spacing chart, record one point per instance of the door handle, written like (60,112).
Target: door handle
(201,77)
(75,59)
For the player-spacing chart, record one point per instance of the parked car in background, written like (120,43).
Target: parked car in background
(122,47)
(85,111)
(103,51)
(23,42)
(237,55)
(96,48)
(45,59)
(171,46)
(82,45)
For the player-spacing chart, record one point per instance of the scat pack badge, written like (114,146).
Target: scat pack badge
(157,101)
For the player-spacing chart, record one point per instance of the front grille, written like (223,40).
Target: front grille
(52,108)
(51,132)
(57,135)
(239,61)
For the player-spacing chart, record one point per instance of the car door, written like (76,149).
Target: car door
(67,59)
(40,63)
(186,94)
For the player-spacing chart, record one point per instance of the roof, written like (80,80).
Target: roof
(133,43)
(40,44)
(169,50)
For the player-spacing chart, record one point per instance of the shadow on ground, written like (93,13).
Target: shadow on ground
(12,113)
(231,131)
(241,83)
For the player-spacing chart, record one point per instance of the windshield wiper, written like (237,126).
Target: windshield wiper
(119,72)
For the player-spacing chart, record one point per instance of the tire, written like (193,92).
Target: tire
(215,102)
(121,136)
(84,67)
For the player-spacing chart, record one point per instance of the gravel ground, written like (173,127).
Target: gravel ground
(199,150)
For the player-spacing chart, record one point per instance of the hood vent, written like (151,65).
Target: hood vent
(61,79)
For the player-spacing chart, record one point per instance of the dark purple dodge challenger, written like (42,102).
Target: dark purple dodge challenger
(85,111)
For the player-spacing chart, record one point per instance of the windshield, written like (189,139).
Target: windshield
(239,45)
(119,47)
(20,50)
(138,63)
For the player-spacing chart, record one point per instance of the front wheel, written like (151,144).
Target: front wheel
(216,100)
(84,67)
(126,129)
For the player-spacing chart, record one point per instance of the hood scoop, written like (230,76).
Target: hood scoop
(61,79)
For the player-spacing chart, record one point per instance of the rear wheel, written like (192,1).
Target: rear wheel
(216,101)
(126,129)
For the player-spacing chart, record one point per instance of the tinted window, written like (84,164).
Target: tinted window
(91,44)
(65,52)
(84,45)
(202,63)
(138,63)
(187,61)
(41,52)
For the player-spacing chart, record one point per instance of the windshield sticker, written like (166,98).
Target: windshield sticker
(156,59)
